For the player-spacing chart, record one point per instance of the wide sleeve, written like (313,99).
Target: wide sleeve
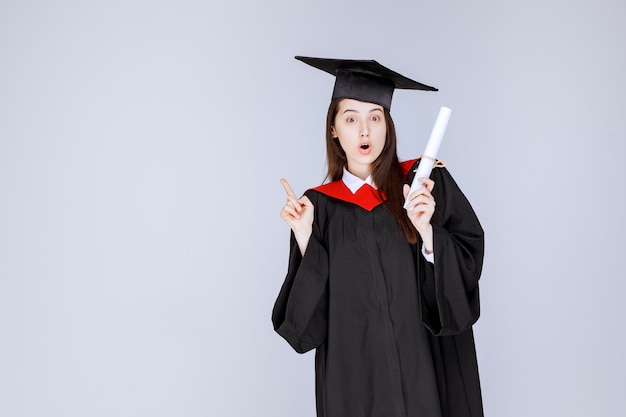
(300,313)
(449,300)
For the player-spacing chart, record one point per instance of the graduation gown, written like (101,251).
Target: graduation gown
(392,332)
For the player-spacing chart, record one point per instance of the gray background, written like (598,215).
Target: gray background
(141,144)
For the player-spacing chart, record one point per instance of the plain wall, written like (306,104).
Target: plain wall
(141,146)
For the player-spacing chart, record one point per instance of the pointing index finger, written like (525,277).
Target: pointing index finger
(288,188)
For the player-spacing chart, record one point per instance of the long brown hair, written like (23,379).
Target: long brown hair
(386,170)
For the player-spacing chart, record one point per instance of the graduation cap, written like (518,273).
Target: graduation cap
(364,80)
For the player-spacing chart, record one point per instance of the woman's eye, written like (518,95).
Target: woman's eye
(351,120)
(376,118)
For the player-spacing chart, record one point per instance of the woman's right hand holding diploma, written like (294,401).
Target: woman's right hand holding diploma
(420,209)
(298,214)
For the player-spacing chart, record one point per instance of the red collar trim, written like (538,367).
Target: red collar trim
(366,197)
(406,165)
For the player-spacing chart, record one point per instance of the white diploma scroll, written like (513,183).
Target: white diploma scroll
(429,156)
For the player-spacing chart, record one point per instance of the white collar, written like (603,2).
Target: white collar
(354,183)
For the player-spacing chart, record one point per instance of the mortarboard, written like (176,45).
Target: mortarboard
(364,80)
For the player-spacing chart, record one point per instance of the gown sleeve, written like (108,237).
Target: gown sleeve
(300,313)
(449,300)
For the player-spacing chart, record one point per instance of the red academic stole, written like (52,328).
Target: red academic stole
(366,197)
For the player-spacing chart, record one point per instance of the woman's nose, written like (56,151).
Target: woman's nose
(364,129)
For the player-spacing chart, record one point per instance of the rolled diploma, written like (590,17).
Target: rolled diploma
(430,153)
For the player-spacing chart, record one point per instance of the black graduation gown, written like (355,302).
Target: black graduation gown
(392,332)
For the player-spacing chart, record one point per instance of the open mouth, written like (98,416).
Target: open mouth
(365,146)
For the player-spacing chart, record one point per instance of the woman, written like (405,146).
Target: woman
(386,296)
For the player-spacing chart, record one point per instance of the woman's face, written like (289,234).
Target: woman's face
(362,131)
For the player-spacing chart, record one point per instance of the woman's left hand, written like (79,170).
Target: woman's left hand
(420,209)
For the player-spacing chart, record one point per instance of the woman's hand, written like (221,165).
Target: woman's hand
(298,214)
(420,209)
